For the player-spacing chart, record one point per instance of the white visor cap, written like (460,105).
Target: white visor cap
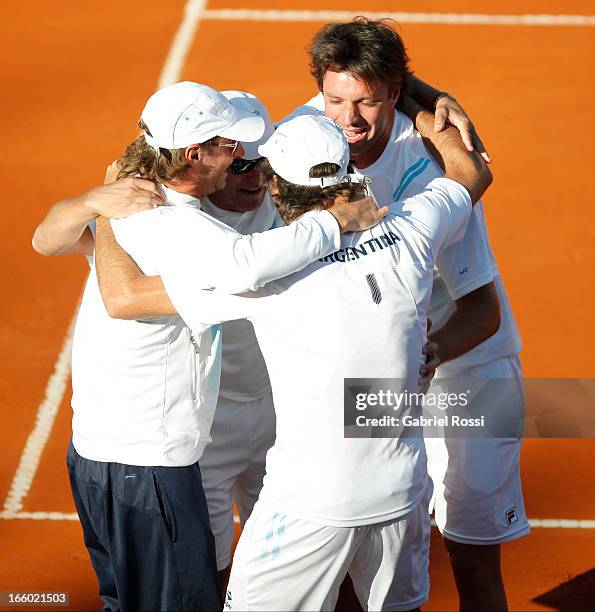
(303,142)
(187,113)
(249,103)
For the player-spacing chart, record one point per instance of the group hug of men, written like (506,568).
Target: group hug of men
(239,274)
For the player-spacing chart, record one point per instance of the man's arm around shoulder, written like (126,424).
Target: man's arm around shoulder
(459,164)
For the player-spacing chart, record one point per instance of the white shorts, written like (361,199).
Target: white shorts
(286,563)
(233,465)
(478,497)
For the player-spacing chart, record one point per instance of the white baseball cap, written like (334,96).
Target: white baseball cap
(303,142)
(187,113)
(249,103)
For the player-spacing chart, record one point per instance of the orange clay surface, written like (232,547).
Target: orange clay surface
(76,76)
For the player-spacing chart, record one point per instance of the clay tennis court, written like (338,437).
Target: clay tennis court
(76,76)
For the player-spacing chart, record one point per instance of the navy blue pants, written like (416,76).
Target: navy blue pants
(148,535)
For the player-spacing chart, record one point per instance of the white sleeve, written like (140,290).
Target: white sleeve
(468,264)
(201,308)
(209,254)
(260,258)
(142,236)
(440,213)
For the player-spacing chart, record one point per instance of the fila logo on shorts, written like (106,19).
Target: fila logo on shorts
(227,605)
(511,516)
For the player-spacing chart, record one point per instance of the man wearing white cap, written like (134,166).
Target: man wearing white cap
(332,504)
(361,68)
(144,391)
(243,429)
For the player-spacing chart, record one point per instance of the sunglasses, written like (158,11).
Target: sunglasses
(232,145)
(241,166)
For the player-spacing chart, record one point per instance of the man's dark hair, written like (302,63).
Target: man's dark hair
(294,200)
(368,50)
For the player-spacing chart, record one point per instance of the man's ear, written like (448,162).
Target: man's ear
(395,95)
(192,153)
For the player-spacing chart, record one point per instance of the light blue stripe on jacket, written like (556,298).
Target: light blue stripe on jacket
(413,171)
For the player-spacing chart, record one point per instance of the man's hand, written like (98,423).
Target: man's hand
(123,198)
(427,372)
(64,230)
(459,161)
(356,216)
(448,110)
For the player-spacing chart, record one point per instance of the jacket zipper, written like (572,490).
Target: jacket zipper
(193,378)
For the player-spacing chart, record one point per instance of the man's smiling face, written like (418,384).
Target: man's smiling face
(364,112)
(242,193)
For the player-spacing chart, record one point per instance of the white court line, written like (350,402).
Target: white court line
(44,421)
(181,44)
(422,18)
(562,523)
(44,516)
(535,523)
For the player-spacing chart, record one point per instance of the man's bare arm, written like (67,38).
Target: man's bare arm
(459,164)
(476,319)
(64,230)
(447,111)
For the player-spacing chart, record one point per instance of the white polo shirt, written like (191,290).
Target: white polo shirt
(144,392)
(404,169)
(360,312)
